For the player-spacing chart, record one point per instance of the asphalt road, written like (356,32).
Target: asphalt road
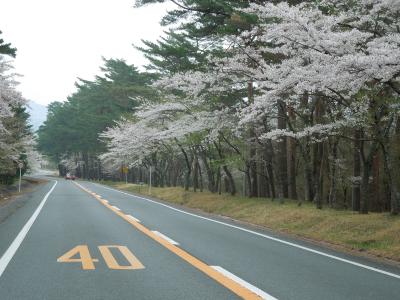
(86,241)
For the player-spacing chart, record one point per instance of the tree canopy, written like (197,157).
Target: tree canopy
(72,127)
(270,87)
(6,48)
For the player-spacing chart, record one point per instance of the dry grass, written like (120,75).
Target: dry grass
(376,234)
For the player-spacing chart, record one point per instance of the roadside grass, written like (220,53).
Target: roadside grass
(377,234)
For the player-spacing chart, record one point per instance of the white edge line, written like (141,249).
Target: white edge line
(12,249)
(243,283)
(115,207)
(133,218)
(264,236)
(165,237)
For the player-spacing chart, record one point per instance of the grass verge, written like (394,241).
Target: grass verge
(376,234)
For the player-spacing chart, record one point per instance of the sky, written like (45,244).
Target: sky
(60,40)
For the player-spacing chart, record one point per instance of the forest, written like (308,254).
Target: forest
(272,99)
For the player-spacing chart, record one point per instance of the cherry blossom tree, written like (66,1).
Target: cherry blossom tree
(14,134)
(310,78)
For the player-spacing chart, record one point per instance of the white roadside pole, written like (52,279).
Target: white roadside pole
(20,165)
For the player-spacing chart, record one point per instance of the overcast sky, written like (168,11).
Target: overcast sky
(60,40)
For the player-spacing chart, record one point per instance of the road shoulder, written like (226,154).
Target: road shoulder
(16,212)
(11,200)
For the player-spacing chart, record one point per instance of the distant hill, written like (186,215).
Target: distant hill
(38,114)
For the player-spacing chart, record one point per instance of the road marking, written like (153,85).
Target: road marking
(165,237)
(111,262)
(84,257)
(115,208)
(10,252)
(133,218)
(264,236)
(87,261)
(247,285)
(195,262)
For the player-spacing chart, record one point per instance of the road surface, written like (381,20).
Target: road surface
(82,240)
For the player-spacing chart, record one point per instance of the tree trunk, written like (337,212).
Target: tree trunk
(210,174)
(356,192)
(269,154)
(365,191)
(375,190)
(253,187)
(282,152)
(318,153)
(308,174)
(201,176)
(253,172)
(263,188)
(394,156)
(392,168)
(248,179)
(320,177)
(394,192)
(219,181)
(195,174)
(188,168)
(291,156)
(231,181)
(333,175)
(366,173)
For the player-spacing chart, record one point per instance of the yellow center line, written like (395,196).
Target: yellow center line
(233,286)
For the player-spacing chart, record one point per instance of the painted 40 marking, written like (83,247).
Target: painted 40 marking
(87,262)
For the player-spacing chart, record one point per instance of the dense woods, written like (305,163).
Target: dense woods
(283,100)
(16,139)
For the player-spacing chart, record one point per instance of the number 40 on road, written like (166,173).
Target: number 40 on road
(88,262)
